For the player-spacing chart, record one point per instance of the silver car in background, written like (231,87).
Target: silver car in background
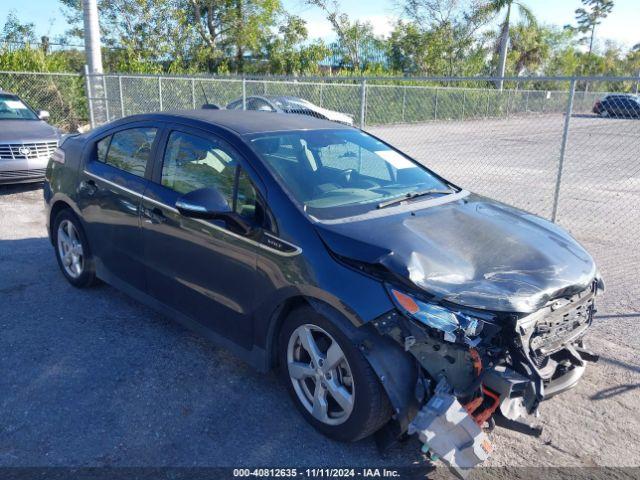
(26,141)
(287,104)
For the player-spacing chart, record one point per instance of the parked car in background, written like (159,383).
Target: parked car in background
(284,104)
(618,106)
(26,141)
(391,299)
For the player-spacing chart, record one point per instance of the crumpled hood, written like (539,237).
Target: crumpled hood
(18,131)
(473,252)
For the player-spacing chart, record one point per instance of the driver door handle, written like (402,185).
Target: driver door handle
(154,215)
(89,187)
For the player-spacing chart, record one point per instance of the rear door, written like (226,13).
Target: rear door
(203,269)
(110,194)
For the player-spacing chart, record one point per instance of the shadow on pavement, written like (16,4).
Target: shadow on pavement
(20,188)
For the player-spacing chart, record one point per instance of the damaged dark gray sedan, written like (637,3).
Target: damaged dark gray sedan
(392,300)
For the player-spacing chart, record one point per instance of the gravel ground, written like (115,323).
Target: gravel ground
(92,378)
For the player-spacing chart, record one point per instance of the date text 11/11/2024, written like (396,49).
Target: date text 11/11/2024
(317,472)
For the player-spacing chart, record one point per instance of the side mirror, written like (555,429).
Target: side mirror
(210,204)
(43,115)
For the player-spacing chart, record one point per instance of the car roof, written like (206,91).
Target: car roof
(244,122)
(622,95)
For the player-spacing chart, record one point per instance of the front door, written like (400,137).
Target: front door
(201,268)
(109,196)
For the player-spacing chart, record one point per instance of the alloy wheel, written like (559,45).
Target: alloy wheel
(320,374)
(70,249)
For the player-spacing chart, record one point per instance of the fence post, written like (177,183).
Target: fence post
(363,102)
(121,96)
(89,96)
(488,101)
(160,92)
(563,148)
(404,102)
(244,93)
(193,93)
(508,99)
(435,106)
(526,104)
(464,100)
(321,93)
(106,97)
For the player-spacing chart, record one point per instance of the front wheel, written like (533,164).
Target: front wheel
(330,381)
(72,250)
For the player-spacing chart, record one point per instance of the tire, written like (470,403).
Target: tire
(370,407)
(603,113)
(72,251)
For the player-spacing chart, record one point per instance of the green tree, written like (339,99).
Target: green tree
(147,35)
(496,7)
(446,28)
(530,48)
(591,16)
(354,37)
(286,52)
(179,35)
(16,31)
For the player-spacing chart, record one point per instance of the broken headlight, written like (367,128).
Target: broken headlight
(435,316)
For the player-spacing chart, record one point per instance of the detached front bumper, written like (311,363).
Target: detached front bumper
(509,371)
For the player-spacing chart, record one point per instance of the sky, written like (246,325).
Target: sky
(621,25)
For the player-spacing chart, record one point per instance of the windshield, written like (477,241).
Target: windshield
(339,173)
(12,108)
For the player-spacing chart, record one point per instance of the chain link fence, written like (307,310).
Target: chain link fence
(63,95)
(566,149)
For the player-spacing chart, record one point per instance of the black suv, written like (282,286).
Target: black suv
(373,283)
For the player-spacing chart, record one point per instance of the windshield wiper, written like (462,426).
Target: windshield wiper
(412,195)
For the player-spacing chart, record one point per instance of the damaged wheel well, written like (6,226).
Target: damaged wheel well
(396,369)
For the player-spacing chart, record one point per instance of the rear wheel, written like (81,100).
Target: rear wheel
(604,113)
(330,381)
(72,250)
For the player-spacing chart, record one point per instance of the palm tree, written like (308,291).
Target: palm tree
(496,7)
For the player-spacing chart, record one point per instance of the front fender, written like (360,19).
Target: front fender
(395,368)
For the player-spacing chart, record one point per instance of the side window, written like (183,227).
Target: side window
(259,104)
(348,155)
(130,149)
(192,162)
(101,148)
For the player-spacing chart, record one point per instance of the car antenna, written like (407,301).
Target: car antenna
(206,100)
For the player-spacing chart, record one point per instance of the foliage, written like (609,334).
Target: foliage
(434,38)
(592,16)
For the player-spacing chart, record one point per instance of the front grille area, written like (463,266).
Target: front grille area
(25,151)
(562,325)
(18,174)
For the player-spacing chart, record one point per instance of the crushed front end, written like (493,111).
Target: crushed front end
(478,368)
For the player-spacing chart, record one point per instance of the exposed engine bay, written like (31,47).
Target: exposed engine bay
(478,368)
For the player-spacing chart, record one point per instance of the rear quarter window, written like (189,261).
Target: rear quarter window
(129,150)
(101,148)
